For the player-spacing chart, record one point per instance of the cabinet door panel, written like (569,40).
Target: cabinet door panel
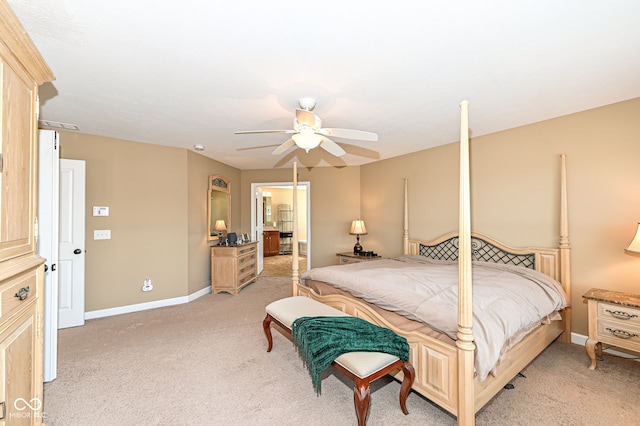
(18,157)
(18,391)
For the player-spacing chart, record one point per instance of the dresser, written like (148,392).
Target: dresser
(614,319)
(233,267)
(349,257)
(271,242)
(22,70)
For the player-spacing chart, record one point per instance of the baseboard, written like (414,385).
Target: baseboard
(580,339)
(101,313)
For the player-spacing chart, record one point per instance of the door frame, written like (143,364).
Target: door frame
(287,185)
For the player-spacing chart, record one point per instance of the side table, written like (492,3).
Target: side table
(349,257)
(614,319)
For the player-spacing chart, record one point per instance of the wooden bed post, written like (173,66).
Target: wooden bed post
(295,276)
(564,245)
(405,231)
(464,342)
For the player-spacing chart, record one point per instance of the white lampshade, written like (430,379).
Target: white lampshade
(220,225)
(634,246)
(358,228)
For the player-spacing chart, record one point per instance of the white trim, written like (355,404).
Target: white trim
(580,339)
(147,305)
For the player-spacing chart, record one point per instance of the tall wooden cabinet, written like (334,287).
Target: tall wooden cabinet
(22,70)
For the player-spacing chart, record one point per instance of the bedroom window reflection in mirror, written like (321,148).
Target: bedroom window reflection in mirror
(219,204)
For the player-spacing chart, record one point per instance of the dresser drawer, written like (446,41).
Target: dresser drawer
(247,277)
(609,311)
(619,334)
(247,259)
(244,250)
(344,260)
(247,267)
(16,293)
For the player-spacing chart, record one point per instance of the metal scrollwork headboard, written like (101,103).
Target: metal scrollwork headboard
(481,250)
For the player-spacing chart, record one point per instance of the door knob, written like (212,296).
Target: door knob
(77,251)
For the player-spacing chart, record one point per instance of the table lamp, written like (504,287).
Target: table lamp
(357,229)
(634,246)
(219,226)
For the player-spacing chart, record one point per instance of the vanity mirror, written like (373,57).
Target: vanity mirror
(219,206)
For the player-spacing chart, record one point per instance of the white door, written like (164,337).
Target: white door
(259,226)
(48,194)
(72,243)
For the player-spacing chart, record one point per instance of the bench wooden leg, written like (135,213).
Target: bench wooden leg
(361,398)
(266,325)
(362,391)
(409,375)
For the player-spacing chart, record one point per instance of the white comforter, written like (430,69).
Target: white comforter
(506,298)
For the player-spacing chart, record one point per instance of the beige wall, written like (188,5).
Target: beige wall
(157,219)
(158,216)
(515,195)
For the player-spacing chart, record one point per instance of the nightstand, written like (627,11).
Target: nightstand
(614,319)
(344,258)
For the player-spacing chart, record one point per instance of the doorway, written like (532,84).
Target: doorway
(274,201)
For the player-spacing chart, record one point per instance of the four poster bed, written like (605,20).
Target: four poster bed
(451,366)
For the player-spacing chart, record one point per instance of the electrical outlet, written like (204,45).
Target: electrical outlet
(147,286)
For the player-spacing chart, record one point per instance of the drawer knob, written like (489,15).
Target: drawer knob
(621,333)
(23,293)
(621,314)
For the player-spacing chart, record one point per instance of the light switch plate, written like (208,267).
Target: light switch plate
(102,234)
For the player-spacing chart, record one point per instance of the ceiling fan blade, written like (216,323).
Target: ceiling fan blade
(246,132)
(305,117)
(331,147)
(282,148)
(350,134)
(255,147)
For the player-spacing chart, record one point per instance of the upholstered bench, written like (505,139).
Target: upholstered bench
(361,367)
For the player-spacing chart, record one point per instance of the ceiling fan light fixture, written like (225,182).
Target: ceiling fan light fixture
(308,133)
(307,141)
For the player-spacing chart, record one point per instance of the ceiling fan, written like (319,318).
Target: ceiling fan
(308,133)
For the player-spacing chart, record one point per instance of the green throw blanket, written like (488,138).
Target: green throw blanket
(320,340)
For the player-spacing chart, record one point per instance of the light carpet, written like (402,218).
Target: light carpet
(281,265)
(205,363)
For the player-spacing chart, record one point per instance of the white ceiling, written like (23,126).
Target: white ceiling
(180,73)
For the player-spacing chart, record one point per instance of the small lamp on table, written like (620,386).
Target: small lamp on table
(219,226)
(357,229)
(634,246)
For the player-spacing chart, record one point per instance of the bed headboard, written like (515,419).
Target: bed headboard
(486,249)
